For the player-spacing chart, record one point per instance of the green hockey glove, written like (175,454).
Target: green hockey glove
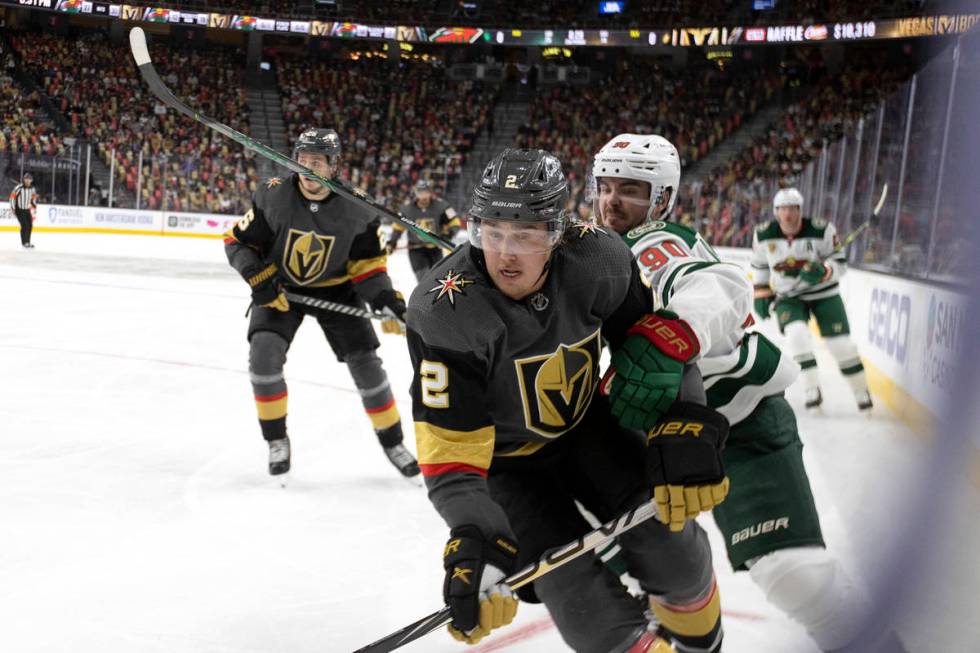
(646,371)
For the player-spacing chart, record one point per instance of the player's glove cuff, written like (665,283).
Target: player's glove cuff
(671,335)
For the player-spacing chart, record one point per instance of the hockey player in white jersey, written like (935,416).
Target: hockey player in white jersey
(797,262)
(769,520)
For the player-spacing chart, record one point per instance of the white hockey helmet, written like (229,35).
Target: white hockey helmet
(648,158)
(787,197)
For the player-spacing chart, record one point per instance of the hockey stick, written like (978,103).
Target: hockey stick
(137,44)
(585,544)
(337,307)
(867,223)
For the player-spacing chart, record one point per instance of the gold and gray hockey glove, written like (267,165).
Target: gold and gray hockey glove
(684,460)
(266,287)
(474,590)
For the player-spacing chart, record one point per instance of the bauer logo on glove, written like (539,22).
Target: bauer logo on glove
(684,460)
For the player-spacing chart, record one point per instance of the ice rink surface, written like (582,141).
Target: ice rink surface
(136,514)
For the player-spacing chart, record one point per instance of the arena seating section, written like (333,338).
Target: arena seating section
(426,129)
(736,195)
(106,102)
(389,139)
(23,127)
(695,110)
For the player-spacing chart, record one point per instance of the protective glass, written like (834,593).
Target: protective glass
(509,237)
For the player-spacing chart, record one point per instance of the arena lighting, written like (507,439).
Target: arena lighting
(556,52)
(611,7)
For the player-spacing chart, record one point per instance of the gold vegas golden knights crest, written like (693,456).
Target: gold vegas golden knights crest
(556,388)
(305,255)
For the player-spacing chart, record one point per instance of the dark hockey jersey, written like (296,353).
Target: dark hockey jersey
(438,217)
(497,377)
(315,244)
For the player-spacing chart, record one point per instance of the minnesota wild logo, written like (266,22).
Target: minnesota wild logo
(557,388)
(272,182)
(305,255)
(452,283)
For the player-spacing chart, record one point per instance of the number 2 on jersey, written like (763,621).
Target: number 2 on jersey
(434,378)
(656,256)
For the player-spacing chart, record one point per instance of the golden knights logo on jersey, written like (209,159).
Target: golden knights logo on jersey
(556,388)
(305,255)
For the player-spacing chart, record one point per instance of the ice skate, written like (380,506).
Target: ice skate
(864,402)
(813,399)
(279,456)
(28,246)
(403,460)
(651,642)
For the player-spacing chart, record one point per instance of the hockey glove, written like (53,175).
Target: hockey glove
(474,590)
(815,272)
(646,371)
(266,287)
(392,302)
(762,301)
(684,460)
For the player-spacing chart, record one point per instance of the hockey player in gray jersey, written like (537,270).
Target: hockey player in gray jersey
(431,213)
(505,336)
(300,236)
(769,520)
(800,260)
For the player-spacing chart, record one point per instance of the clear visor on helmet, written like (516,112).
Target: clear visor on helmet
(633,194)
(512,237)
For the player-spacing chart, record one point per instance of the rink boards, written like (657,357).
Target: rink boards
(909,334)
(99,219)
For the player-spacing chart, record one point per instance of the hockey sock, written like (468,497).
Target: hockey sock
(693,627)
(811,587)
(801,346)
(267,356)
(372,384)
(846,354)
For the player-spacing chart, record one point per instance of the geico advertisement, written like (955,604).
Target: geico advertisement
(911,331)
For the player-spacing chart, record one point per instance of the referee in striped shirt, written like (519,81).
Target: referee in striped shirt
(23,200)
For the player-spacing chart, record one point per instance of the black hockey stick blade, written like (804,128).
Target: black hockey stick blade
(137,44)
(588,542)
(409,633)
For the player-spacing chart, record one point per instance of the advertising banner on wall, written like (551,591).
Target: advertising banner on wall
(127,220)
(911,331)
(197,223)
